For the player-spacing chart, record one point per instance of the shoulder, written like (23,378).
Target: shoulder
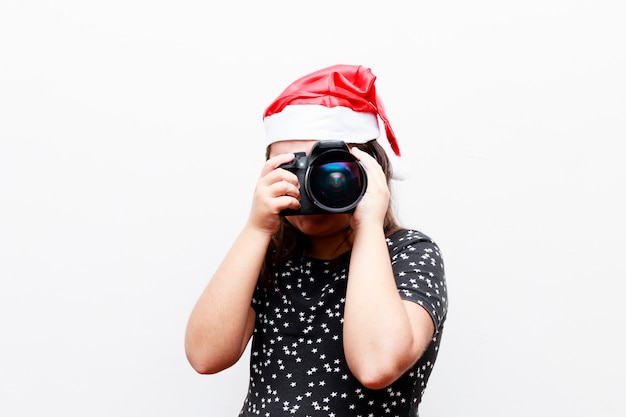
(407,237)
(413,246)
(419,271)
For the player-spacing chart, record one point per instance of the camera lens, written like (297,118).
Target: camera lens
(336,185)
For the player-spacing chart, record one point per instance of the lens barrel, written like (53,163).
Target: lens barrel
(335,181)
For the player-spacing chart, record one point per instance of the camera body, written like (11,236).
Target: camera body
(331,179)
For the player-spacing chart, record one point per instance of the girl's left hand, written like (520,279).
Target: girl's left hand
(373,206)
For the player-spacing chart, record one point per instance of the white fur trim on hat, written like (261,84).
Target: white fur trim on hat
(318,122)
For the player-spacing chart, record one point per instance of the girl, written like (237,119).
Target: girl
(345,310)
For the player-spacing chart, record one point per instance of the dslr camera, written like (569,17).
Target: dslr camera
(331,179)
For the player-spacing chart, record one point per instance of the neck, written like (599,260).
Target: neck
(330,247)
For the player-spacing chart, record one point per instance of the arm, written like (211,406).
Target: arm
(383,335)
(222,321)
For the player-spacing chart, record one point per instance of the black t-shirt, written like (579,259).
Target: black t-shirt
(297,363)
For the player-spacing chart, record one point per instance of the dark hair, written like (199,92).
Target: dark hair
(289,242)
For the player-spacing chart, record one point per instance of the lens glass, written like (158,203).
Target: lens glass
(336,184)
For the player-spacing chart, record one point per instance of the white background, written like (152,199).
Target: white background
(131,138)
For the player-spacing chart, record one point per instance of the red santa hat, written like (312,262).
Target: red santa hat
(334,103)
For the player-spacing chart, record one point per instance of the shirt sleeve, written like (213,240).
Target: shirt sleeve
(419,272)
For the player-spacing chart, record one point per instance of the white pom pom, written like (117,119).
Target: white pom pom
(400,166)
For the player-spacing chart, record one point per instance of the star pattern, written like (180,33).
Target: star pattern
(297,364)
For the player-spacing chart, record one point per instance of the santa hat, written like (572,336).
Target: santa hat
(334,103)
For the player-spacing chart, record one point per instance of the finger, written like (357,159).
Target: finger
(276,161)
(370,164)
(363,157)
(278,174)
(284,188)
(286,202)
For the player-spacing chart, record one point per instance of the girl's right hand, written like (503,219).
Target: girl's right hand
(276,189)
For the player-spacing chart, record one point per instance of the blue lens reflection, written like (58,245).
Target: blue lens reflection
(336,184)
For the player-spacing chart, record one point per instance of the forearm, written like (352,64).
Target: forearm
(218,327)
(377,330)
